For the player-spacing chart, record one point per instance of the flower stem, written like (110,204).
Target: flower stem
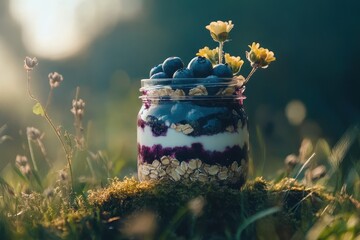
(49,98)
(67,154)
(48,119)
(250,74)
(79,131)
(77,121)
(221,45)
(28,86)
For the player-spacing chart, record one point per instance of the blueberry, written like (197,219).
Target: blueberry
(178,112)
(201,67)
(156,69)
(165,119)
(171,64)
(159,75)
(212,126)
(150,120)
(178,108)
(222,70)
(212,79)
(211,84)
(183,73)
(194,115)
(158,127)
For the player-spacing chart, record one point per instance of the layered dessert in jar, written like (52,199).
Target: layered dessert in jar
(193,128)
(192,125)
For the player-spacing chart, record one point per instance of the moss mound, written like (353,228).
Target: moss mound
(130,209)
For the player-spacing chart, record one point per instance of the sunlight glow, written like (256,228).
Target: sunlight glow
(61,28)
(11,77)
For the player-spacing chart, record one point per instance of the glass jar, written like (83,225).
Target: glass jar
(193,129)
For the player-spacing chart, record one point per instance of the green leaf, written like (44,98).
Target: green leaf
(5,186)
(38,109)
(17,171)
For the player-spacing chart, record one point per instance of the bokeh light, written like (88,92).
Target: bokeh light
(295,112)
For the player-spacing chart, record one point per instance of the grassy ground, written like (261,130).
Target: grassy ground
(129,209)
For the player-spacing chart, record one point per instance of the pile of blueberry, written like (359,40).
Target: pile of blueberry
(198,67)
(205,117)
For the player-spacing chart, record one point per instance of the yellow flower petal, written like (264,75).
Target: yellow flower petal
(211,54)
(259,56)
(219,30)
(235,63)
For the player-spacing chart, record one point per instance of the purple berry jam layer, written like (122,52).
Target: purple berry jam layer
(196,151)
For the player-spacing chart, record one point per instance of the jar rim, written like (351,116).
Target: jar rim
(192,89)
(185,81)
(145,98)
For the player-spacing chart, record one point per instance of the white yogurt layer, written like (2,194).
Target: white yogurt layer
(217,142)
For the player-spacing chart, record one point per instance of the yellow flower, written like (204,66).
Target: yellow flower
(259,57)
(234,63)
(211,54)
(219,30)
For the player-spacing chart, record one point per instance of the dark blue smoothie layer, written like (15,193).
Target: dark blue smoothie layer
(224,158)
(205,120)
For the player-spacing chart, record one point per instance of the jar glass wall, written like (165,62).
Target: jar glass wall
(193,130)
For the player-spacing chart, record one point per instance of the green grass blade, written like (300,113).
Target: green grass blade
(3,137)
(17,171)
(341,148)
(305,165)
(262,144)
(90,165)
(6,186)
(2,129)
(32,155)
(254,218)
(173,223)
(38,179)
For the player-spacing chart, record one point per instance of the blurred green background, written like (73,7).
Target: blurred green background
(106,47)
